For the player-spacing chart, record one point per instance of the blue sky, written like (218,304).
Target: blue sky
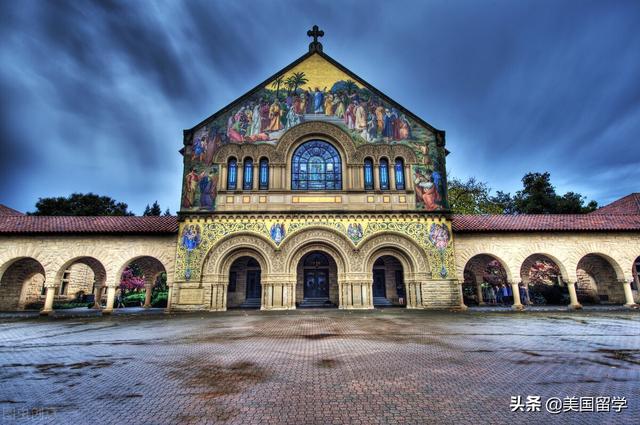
(95,95)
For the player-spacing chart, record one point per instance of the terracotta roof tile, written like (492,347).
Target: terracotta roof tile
(5,210)
(545,223)
(630,204)
(109,224)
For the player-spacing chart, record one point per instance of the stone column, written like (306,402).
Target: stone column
(219,296)
(256,175)
(392,176)
(376,176)
(240,176)
(147,295)
(413,289)
(573,304)
(169,297)
(628,295)
(479,293)
(222,181)
(278,294)
(408,178)
(97,297)
(462,305)
(48,301)
(111,296)
(517,304)
(356,295)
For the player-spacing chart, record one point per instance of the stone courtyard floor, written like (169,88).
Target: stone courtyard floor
(319,367)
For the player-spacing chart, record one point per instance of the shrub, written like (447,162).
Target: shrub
(160,300)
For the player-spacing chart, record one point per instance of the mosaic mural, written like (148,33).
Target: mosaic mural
(314,90)
(197,239)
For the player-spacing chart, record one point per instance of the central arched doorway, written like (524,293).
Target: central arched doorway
(244,289)
(388,282)
(317,276)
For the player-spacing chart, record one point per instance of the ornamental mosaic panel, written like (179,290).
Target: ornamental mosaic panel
(313,90)
(198,238)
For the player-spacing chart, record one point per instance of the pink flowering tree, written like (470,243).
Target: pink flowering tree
(130,281)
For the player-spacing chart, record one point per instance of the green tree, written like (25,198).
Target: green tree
(471,197)
(538,196)
(79,204)
(167,213)
(154,210)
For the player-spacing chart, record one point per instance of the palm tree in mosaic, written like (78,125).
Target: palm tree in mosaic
(299,80)
(350,86)
(276,83)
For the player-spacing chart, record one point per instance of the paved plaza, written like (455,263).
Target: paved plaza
(319,367)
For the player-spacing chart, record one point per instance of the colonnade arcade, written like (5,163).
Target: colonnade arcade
(313,268)
(42,279)
(543,279)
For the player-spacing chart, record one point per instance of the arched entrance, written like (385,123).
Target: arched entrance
(598,281)
(81,282)
(244,289)
(143,283)
(317,280)
(486,282)
(388,282)
(22,285)
(542,280)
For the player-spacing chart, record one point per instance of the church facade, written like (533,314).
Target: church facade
(314,189)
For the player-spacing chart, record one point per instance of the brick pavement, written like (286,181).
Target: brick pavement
(316,367)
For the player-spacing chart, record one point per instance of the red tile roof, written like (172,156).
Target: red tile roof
(109,224)
(630,204)
(545,223)
(5,210)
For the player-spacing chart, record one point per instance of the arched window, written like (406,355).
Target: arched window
(232,174)
(384,174)
(264,174)
(316,165)
(247,180)
(368,174)
(399,170)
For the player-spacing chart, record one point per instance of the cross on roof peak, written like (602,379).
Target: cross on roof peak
(315,45)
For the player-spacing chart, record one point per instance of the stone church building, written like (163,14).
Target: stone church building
(314,189)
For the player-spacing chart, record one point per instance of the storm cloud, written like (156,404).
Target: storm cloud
(95,94)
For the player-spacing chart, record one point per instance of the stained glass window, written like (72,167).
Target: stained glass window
(248,174)
(316,165)
(264,174)
(368,174)
(384,174)
(399,170)
(232,174)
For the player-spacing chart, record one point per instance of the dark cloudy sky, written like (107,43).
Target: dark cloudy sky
(95,94)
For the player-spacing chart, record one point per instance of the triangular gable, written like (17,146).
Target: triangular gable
(308,60)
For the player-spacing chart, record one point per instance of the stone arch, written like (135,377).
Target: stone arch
(99,270)
(414,257)
(327,240)
(481,260)
(545,288)
(243,150)
(23,250)
(531,258)
(21,283)
(599,279)
(153,259)
(463,256)
(220,251)
(301,133)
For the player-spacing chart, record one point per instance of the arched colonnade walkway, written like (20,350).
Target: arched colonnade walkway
(41,273)
(519,271)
